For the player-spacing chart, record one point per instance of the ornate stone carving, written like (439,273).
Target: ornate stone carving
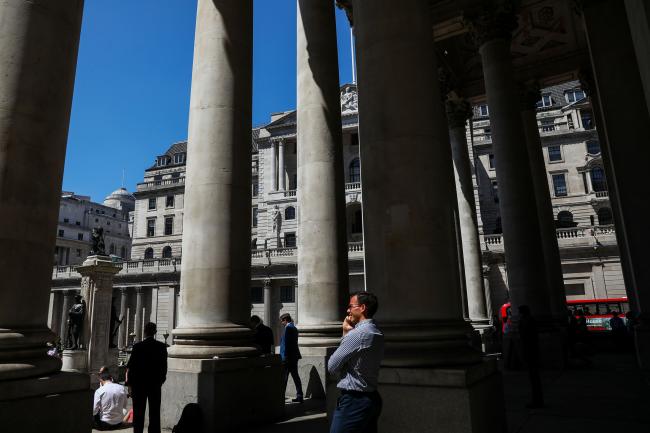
(494,19)
(349,100)
(458,111)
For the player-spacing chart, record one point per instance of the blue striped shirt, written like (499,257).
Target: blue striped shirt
(358,357)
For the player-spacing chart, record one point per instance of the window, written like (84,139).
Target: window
(66,220)
(487,133)
(565,219)
(256,188)
(179,158)
(559,185)
(61,232)
(495,191)
(290,240)
(574,289)
(254,244)
(554,153)
(169,225)
(167,252)
(108,223)
(152,203)
(77,223)
(175,177)
(491,161)
(293,182)
(546,101)
(148,253)
(483,110)
(357,222)
(123,252)
(593,147)
(574,95)
(587,119)
(257,295)
(605,216)
(157,179)
(355,171)
(169,201)
(151,227)
(287,294)
(598,182)
(290,213)
(163,160)
(548,125)
(255,211)
(78,252)
(111,250)
(354,139)
(80,236)
(96,220)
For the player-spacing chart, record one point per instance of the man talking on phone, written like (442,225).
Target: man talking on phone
(357,361)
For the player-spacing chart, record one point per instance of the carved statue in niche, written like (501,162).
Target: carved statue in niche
(97,237)
(276,217)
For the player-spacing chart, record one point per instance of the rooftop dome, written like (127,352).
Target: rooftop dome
(120,199)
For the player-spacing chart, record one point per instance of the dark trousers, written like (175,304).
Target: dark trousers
(291,367)
(356,412)
(140,395)
(98,424)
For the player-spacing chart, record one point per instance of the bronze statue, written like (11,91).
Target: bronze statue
(98,249)
(76,316)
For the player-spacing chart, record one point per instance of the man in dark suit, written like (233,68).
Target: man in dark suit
(290,354)
(263,335)
(145,374)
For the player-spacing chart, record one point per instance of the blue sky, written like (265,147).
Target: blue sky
(132,88)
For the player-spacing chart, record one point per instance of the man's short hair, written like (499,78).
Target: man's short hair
(150,329)
(105,375)
(255,319)
(287,317)
(369,300)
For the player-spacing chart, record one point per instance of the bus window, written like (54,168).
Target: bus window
(625,307)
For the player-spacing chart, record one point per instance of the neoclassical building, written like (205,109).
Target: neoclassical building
(422,246)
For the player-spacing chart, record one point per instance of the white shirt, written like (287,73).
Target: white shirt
(110,400)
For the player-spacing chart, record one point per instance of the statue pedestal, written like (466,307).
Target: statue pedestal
(74,360)
(97,274)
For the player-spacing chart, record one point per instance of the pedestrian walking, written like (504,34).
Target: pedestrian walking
(290,354)
(145,374)
(357,361)
(530,353)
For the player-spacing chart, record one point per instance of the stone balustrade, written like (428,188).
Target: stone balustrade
(601,194)
(571,237)
(145,186)
(352,186)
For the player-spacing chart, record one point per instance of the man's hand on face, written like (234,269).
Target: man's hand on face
(348,325)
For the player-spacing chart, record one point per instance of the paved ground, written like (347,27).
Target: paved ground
(607,396)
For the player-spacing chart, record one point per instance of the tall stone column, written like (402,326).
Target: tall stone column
(638,15)
(68,298)
(38,55)
(273,169)
(552,263)
(518,207)
(137,321)
(409,235)
(213,360)
(268,302)
(281,168)
(123,313)
(458,112)
(621,128)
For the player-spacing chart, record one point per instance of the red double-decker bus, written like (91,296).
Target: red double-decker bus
(596,311)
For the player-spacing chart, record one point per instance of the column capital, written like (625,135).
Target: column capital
(458,112)
(529,95)
(494,19)
(139,290)
(123,290)
(267,283)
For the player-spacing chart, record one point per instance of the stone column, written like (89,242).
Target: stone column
(137,321)
(458,112)
(552,263)
(281,169)
(38,54)
(273,170)
(54,315)
(638,14)
(521,231)
(623,122)
(123,313)
(590,187)
(268,302)
(68,298)
(410,241)
(322,249)
(213,359)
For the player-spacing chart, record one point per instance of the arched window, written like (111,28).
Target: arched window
(148,253)
(565,219)
(598,182)
(167,252)
(605,216)
(593,147)
(290,213)
(111,250)
(123,252)
(355,170)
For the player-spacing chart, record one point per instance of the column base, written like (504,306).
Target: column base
(233,393)
(467,399)
(59,403)
(312,369)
